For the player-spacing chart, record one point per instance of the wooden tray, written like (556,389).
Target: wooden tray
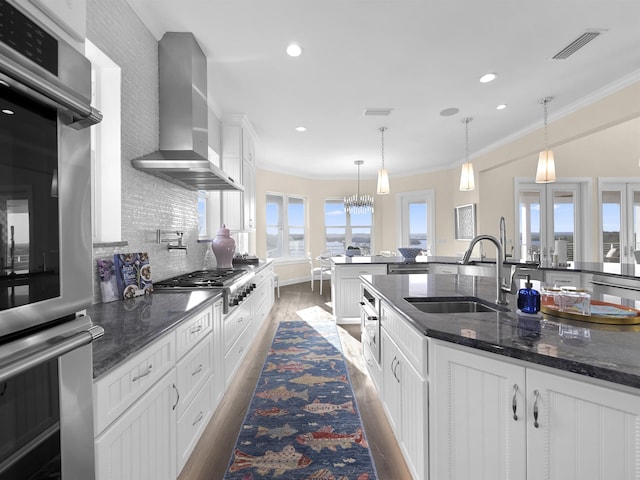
(607,319)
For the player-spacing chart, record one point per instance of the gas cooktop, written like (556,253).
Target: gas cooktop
(203,279)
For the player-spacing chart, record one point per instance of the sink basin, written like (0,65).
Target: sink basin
(452,305)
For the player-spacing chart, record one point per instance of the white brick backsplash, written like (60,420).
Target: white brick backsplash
(148,203)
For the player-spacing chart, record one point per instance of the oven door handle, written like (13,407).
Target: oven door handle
(49,91)
(57,349)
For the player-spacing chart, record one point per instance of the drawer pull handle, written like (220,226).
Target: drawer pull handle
(536,394)
(147,372)
(198,418)
(197,370)
(177,396)
(514,402)
(196,329)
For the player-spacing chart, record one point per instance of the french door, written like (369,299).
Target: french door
(548,216)
(619,232)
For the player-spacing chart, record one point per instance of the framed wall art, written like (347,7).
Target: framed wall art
(465,221)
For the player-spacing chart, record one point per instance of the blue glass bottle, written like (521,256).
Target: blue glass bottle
(528,298)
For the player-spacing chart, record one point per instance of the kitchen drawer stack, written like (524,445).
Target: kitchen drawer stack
(151,410)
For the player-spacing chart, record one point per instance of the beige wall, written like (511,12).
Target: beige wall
(600,140)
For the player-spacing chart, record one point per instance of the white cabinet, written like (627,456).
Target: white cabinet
(141,444)
(404,389)
(151,410)
(262,296)
(584,432)
(563,279)
(473,431)
(345,289)
(562,428)
(237,338)
(238,161)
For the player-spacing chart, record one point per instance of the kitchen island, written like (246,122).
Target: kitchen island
(613,278)
(494,395)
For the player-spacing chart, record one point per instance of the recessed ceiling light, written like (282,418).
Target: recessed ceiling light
(294,50)
(447,112)
(502,106)
(301,129)
(7,111)
(487,77)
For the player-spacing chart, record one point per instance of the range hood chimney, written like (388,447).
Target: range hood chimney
(183,155)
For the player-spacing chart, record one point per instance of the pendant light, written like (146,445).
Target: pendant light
(383,176)
(358,203)
(546,172)
(467,180)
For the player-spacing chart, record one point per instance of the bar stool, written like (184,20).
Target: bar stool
(276,283)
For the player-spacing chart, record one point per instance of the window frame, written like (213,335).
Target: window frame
(403,199)
(348,234)
(284,228)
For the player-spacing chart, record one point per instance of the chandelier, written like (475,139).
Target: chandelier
(358,203)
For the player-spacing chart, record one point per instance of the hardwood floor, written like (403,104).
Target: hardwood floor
(211,455)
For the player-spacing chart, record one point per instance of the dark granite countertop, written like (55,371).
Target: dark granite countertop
(130,325)
(600,351)
(628,270)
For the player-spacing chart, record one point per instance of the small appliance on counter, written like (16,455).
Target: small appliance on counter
(224,247)
(245,259)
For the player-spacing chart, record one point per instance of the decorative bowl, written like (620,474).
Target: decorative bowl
(409,253)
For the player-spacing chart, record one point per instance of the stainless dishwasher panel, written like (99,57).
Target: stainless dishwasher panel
(395,268)
(622,287)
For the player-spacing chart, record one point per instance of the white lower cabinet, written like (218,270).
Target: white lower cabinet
(491,419)
(404,389)
(345,289)
(141,444)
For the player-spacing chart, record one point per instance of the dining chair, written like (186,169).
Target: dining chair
(322,270)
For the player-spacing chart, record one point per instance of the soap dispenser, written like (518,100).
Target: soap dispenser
(528,298)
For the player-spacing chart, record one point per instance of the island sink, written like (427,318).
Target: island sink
(453,305)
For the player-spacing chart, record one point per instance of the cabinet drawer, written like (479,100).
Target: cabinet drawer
(191,331)
(263,275)
(235,355)
(192,423)
(117,390)
(193,371)
(356,271)
(411,342)
(372,367)
(234,323)
(443,269)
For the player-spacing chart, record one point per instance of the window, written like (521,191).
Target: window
(551,221)
(343,229)
(417,220)
(285,226)
(619,240)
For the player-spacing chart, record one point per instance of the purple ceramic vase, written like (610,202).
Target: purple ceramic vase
(223,247)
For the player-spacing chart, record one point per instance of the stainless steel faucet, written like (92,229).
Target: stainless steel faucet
(503,238)
(502,288)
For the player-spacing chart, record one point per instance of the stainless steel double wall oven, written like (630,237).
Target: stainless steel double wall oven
(46,268)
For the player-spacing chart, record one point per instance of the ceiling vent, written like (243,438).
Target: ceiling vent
(576,45)
(377,112)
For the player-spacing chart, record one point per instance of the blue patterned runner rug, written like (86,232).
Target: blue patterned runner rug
(303,421)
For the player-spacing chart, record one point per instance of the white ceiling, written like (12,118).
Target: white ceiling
(417,57)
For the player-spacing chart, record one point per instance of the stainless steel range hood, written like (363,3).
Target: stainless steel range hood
(183,155)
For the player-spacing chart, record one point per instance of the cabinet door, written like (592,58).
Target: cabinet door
(474,433)
(391,383)
(346,291)
(141,444)
(414,411)
(249,200)
(584,431)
